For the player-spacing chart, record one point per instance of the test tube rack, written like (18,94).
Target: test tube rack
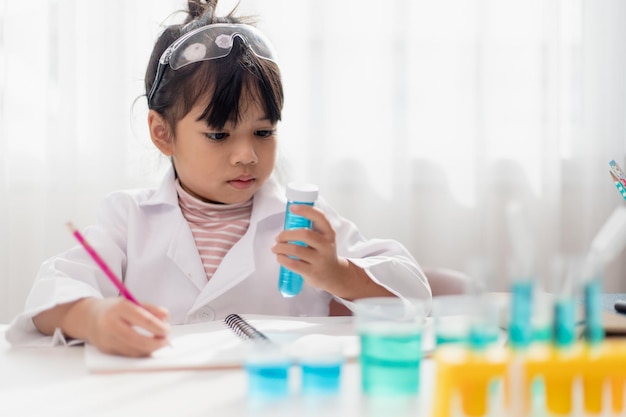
(464,384)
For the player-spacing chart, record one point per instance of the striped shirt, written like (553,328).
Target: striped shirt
(215,227)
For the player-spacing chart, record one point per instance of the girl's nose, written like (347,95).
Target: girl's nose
(244,152)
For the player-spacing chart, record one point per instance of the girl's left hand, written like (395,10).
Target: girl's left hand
(317,262)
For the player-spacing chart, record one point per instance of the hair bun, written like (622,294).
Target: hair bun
(197,8)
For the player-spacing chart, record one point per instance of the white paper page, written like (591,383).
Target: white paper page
(212,345)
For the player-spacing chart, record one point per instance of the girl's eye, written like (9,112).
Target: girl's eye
(265,133)
(216,136)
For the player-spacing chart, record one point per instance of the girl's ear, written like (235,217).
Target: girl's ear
(160,133)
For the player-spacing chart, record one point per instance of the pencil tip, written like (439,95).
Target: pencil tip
(70,226)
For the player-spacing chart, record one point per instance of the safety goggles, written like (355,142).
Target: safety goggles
(210,42)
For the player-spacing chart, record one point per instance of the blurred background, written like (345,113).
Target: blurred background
(420,120)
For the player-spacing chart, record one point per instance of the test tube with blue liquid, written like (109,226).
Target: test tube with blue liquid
(558,386)
(592,293)
(565,277)
(520,327)
(289,282)
(564,322)
(523,276)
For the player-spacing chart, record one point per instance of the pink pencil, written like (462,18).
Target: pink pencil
(115,280)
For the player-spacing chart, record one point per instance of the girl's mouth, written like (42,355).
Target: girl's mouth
(242,183)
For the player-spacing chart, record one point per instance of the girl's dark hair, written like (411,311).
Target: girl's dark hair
(225,80)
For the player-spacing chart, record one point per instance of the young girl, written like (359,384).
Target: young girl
(209,240)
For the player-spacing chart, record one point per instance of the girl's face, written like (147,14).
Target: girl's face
(224,165)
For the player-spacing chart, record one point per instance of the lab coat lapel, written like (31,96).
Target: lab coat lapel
(237,265)
(182,249)
(184,253)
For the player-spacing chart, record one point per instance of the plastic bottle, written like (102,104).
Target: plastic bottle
(289,282)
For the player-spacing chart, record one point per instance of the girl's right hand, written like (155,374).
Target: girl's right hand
(120,327)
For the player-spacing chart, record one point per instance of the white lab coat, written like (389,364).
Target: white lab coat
(144,238)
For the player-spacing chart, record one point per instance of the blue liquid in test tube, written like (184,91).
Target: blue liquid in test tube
(289,282)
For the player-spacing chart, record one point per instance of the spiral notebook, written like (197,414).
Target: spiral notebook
(244,329)
(222,345)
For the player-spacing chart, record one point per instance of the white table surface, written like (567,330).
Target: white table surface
(43,382)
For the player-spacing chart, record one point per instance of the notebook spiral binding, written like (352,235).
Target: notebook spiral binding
(244,329)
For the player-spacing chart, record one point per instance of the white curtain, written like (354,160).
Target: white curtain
(420,120)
